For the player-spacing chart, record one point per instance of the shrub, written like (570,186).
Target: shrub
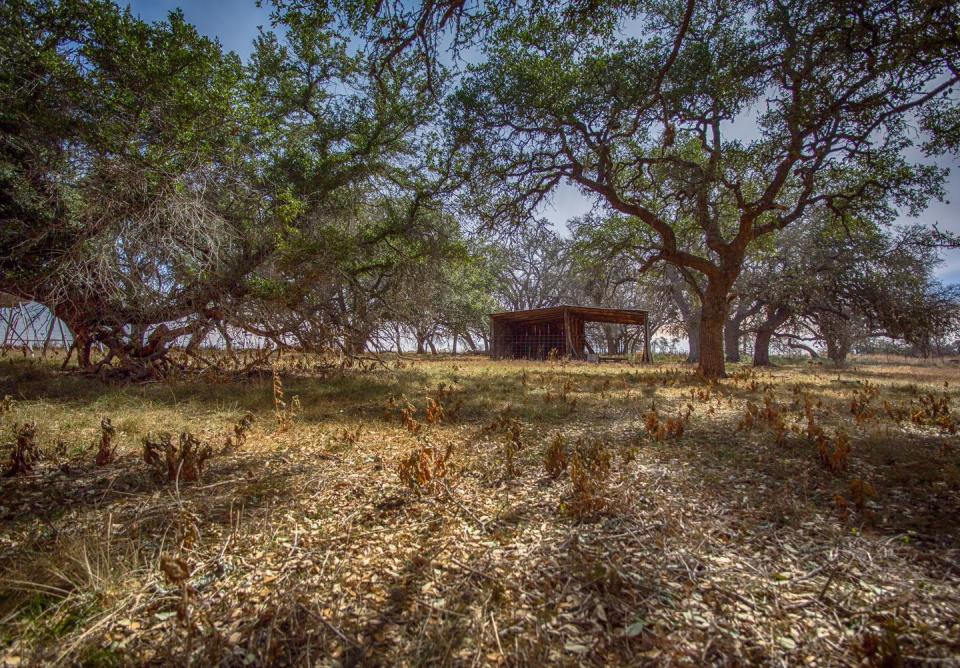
(404,411)
(350,437)
(934,411)
(926,411)
(860,492)
(860,404)
(770,416)
(449,406)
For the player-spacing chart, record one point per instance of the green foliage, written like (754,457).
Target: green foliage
(120,112)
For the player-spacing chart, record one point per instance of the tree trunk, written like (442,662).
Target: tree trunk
(761,347)
(837,349)
(81,330)
(693,338)
(713,315)
(611,340)
(84,346)
(357,343)
(454,344)
(731,340)
(83,342)
(836,333)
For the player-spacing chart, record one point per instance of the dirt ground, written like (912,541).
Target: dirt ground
(468,512)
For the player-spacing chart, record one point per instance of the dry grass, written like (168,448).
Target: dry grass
(559,526)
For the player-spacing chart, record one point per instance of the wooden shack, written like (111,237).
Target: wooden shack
(558,330)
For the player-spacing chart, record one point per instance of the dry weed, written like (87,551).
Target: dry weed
(509,429)
(176,462)
(240,430)
(423,470)
(671,428)
(25,452)
(861,403)
(589,474)
(555,458)
(834,454)
(106,448)
(434,412)
(714,554)
(285,413)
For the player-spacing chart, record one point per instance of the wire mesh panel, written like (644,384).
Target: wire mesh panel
(537,340)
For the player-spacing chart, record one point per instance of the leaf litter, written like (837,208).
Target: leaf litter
(302,543)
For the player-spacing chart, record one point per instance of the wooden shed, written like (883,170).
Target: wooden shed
(534,334)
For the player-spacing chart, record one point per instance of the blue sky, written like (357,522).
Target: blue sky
(233,22)
(236,22)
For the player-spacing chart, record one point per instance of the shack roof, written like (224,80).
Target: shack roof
(589,313)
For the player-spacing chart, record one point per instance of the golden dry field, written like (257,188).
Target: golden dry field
(467,512)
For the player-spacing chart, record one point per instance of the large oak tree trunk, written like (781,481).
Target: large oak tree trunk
(78,321)
(713,316)
(83,340)
(688,312)
(733,330)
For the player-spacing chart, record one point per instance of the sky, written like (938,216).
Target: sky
(236,24)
